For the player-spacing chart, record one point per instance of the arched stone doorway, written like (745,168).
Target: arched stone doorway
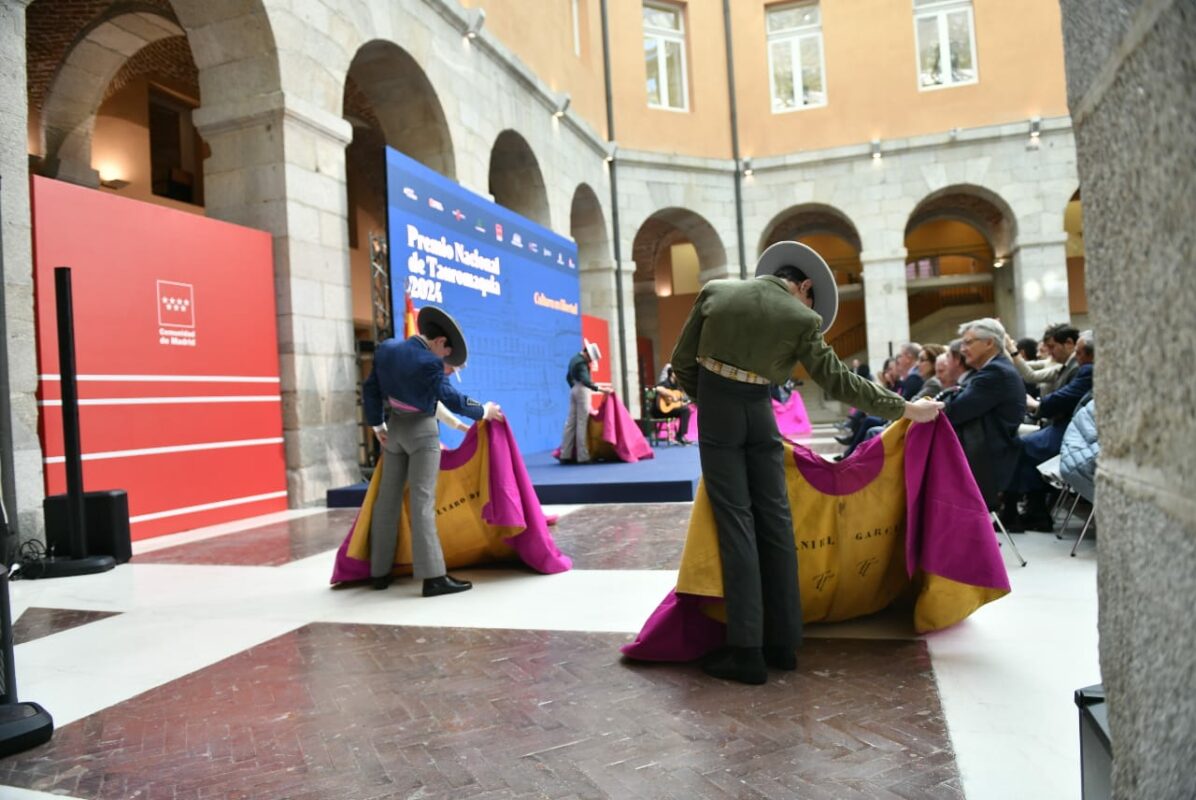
(515,178)
(959,250)
(388,100)
(833,235)
(674,250)
(113,107)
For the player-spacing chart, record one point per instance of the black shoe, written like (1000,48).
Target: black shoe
(743,664)
(845,440)
(1013,523)
(682,440)
(1038,522)
(382,582)
(445,584)
(780,657)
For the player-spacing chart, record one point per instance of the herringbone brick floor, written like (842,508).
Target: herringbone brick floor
(267,546)
(640,536)
(35,623)
(367,711)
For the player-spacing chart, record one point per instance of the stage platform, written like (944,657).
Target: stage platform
(671,476)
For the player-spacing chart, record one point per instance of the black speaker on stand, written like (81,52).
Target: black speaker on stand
(78,562)
(22,725)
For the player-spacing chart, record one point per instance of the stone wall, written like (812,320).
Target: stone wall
(19,333)
(1131,71)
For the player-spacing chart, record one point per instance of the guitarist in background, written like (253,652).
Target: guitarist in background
(671,401)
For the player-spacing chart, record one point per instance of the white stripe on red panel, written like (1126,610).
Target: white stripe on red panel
(181,448)
(168,378)
(176,512)
(150,401)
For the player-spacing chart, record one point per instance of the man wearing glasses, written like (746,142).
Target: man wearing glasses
(987,411)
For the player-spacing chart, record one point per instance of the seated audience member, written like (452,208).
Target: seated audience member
(860,368)
(1078,452)
(671,401)
(1056,410)
(986,411)
(955,371)
(931,385)
(1060,344)
(910,380)
(1027,348)
(888,379)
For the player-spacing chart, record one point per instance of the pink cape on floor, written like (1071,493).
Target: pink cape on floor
(512,504)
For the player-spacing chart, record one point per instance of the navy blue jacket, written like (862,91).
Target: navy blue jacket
(1059,405)
(411,373)
(579,372)
(986,414)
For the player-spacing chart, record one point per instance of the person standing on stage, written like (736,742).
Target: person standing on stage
(740,336)
(573,442)
(410,376)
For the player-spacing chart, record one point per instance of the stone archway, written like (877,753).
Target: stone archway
(675,251)
(82,79)
(834,236)
(388,89)
(516,181)
(960,245)
(587,226)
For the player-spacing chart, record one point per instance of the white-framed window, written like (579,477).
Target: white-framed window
(664,56)
(796,72)
(946,40)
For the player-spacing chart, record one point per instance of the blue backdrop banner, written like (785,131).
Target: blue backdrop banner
(510,283)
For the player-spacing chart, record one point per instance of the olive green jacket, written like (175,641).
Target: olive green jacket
(758,326)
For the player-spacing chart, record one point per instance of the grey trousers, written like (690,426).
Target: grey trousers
(573,442)
(744,472)
(410,458)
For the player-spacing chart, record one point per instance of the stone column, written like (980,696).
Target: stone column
(20,335)
(886,306)
(630,326)
(1039,286)
(278,164)
(1131,73)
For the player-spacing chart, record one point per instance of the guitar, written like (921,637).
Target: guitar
(669,400)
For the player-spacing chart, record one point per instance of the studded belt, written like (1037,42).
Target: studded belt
(730,372)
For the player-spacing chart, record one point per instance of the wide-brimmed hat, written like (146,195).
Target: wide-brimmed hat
(591,350)
(796,254)
(433,322)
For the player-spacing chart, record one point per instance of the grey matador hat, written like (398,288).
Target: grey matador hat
(433,322)
(796,254)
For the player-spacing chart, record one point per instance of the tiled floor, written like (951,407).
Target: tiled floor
(233,670)
(359,711)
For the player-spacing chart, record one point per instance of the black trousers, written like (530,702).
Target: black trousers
(682,414)
(744,472)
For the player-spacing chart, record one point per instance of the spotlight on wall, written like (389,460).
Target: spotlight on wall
(876,149)
(998,263)
(562,105)
(611,149)
(476,19)
(1035,127)
(747,167)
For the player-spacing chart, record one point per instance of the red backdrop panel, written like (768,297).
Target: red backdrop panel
(177,355)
